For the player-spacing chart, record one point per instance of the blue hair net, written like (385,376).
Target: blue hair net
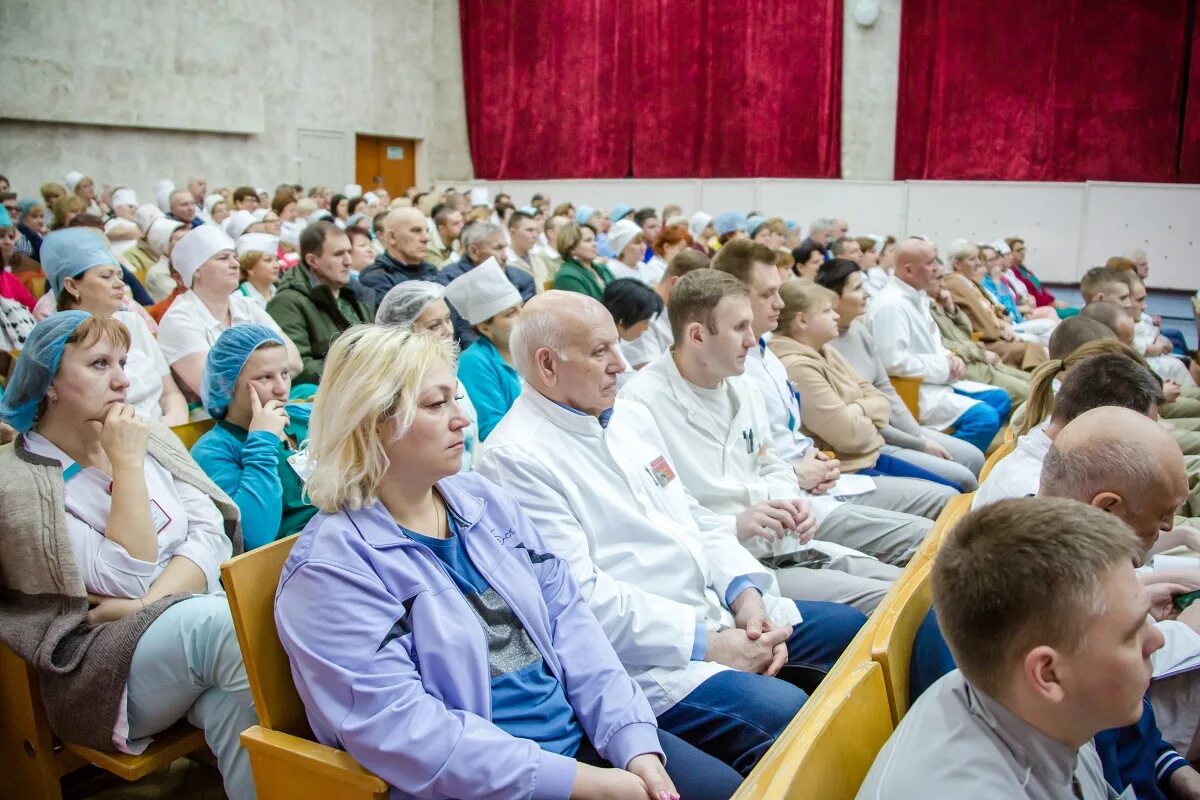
(5,219)
(70,252)
(225,362)
(37,366)
(26,204)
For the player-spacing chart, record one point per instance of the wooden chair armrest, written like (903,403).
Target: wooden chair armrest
(313,756)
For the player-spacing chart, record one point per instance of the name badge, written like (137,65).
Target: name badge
(660,470)
(161,519)
(299,463)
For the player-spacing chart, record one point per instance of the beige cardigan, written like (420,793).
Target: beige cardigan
(839,409)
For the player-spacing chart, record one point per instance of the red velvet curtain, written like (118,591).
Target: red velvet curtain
(653,88)
(1067,91)
(1189,136)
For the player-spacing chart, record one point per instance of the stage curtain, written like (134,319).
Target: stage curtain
(1070,91)
(653,88)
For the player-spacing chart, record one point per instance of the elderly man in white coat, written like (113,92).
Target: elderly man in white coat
(752,264)
(696,620)
(911,346)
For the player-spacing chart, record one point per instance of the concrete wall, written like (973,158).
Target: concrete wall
(129,92)
(870,69)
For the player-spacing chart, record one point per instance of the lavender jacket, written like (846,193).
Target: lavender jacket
(392,664)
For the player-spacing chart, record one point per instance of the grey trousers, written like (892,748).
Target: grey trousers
(890,536)
(964,453)
(850,580)
(950,470)
(906,495)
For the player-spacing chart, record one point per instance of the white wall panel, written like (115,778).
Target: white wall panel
(1048,216)
(869,206)
(1162,219)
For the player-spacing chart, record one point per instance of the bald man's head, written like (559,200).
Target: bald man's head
(916,264)
(1121,462)
(405,235)
(565,347)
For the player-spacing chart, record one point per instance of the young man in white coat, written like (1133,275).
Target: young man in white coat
(713,420)
(910,345)
(752,264)
(696,620)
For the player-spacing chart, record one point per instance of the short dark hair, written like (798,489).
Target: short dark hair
(1110,379)
(357,230)
(516,218)
(441,212)
(1074,332)
(312,238)
(695,297)
(804,252)
(631,301)
(834,274)
(685,261)
(839,244)
(642,214)
(242,192)
(737,258)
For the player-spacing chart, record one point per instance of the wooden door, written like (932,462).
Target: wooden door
(385,162)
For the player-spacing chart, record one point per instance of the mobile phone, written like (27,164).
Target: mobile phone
(809,558)
(1184,600)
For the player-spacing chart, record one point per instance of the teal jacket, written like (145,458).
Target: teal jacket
(575,277)
(251,467)
(491,382)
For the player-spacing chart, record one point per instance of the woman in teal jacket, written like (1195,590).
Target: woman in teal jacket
(255,451)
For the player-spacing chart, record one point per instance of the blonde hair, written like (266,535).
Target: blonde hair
(800,298)
(1041,385)
(369,387)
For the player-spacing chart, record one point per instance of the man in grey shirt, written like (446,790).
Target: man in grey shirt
(1039,603)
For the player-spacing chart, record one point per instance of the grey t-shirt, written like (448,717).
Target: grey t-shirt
(957,742)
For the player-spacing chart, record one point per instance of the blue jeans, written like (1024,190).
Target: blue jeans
(897,467)
(737,716)
(931,658)
(694,773)
(980,423)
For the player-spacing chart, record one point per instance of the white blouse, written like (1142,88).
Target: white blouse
(145,367)
(188,524)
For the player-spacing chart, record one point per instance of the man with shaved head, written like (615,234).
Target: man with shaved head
(695,618)
(405,240)
(910,346)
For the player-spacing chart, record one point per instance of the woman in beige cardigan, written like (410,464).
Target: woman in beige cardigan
(839,409)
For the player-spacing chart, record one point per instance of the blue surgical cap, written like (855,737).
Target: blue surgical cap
(619,212)
(5,218)
(754,223)
(37,366)
(583,214)
(26,204)
(70,252)
(225,362)
(792,224)
(729,222)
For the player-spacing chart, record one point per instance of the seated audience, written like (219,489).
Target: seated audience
(1149,341)
(405,241)
(634,306)
(258,267)
(207,265)
(657,338)
(316,303)
(1104,285)
(841,410)
(1052,648)
(729,226)
(987,318)
(513,669)
(254,451)
(523,232)
(1040,296)
(83,274)
(113,540)
(491,305)
(671,241)
(448,223)
(954,459)
(1094,379)
(713,420)
(480,242)
(751,264)
(910,346)
(982,365)
(581,271)
(696,620)
(998,284)
(422,306)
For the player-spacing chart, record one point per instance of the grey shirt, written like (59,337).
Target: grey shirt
(858,347)
(957,742)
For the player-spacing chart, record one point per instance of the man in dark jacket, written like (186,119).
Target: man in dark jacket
(315,302)
(405,239)
(481,241)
